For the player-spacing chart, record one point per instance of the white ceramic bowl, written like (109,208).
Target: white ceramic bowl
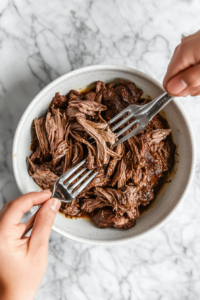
(167,200)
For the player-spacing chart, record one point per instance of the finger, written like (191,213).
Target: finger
(185,56)
(181,60)
(15,209)
(23,228)
(183,83)
(43,224)
(192,91)
(195,91)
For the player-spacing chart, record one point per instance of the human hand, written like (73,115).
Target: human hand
(23,261)
(183,73)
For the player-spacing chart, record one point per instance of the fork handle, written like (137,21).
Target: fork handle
(153,107)
(29,219)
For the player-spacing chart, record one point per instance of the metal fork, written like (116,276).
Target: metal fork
(143,115)
(62,190)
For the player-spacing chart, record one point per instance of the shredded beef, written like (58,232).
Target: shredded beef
(71,209)
(42,136)
(78,153)
(42,175)
(129,175)
(85,106)
(90,96)
(102,150)
(59,101)
(105,218)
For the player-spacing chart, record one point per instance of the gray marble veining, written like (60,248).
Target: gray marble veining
(41,40)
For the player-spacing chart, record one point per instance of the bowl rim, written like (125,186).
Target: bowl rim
(134,72)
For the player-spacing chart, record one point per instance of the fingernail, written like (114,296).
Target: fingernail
(55,204)
(176,85)
(46,191)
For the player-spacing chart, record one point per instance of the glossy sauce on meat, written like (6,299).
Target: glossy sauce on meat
(130,175)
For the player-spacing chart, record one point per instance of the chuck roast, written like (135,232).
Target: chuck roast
(129,175)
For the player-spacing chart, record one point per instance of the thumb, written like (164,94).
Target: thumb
(43,224)
(185,83)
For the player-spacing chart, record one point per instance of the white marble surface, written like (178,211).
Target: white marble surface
(41,40)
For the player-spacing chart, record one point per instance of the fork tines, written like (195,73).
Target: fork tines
(131,114)
(69,182)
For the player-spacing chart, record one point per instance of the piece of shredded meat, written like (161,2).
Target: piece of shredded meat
(129,175)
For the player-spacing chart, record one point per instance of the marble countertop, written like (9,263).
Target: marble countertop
(41,40)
